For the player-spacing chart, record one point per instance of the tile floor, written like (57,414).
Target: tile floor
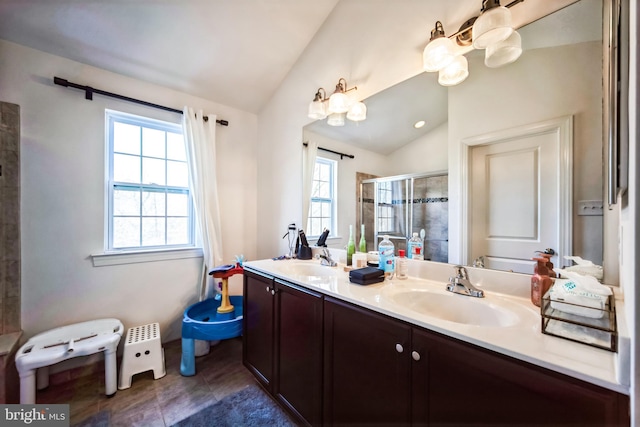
(159,402)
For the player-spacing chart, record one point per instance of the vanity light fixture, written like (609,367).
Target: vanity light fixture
(492,26)
(454,73)
(339,101)
(336,119)
(357,112)
(439,52)
(339,106)
(492,30)
(504,52)
(317,107)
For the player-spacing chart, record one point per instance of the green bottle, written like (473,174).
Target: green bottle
(351,246)
(363,242)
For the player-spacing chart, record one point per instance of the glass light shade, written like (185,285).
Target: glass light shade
(455,72)
(317,110)
(492,26)
(504,52)
(338,103)
(438,54)
(357,112)
(336,119)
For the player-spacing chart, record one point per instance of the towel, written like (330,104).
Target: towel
(570,297)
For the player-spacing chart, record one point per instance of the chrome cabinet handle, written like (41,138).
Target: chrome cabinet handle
(399,348)
(415,355)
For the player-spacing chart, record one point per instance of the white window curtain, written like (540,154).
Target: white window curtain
(309,154)
(200,140)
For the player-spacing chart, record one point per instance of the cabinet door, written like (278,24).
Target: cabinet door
(367,378)
(456,383)
(298,379)
(257,334)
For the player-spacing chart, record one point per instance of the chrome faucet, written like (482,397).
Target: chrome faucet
(478,262)
(460,284)
(325,258)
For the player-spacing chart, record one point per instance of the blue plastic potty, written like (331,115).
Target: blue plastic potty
(201,321)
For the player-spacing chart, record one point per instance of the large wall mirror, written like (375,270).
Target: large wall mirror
(558,77)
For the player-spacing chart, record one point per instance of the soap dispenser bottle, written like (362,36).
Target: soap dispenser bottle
(351,246)
(363,243)
(540,281)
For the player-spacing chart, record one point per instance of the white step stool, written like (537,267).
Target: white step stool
(66,342)
(142,352)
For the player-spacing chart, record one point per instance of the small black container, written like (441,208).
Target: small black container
(366,276)
(304,252)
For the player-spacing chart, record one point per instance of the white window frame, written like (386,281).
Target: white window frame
(134,254)
(333,185)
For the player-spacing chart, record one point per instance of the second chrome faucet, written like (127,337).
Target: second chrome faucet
(460,284)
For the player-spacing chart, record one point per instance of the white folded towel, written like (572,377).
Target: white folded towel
(570,297)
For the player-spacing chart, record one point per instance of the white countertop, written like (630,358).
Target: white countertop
(522,340)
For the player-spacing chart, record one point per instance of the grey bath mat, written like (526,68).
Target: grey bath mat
(250,407)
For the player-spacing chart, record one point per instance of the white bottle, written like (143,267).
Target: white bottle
(402,270)
(415,242)
(386,250)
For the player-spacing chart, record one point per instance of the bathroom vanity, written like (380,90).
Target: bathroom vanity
(336,353)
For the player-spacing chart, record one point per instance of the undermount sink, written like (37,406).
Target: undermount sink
(310,270)
(461,309)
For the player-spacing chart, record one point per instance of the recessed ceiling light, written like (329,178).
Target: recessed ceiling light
(419,124)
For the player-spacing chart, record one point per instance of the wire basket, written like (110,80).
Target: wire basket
(598,329)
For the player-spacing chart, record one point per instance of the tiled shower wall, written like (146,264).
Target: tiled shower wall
(9,218)
(10,326)
(430,206)
(431,212)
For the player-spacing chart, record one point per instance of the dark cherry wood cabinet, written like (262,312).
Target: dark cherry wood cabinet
(298,351)
(367,371)
(282,343)
(333,363)
(258,327)
(456,383)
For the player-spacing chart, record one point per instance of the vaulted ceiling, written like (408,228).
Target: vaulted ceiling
(234,52)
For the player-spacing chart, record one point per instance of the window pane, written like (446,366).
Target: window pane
(324,190)
(126,138)
(316,209)
(126,202)
(325,172)
(175,147)
(149,198)
(153,143)
(126,168)
(177,204)
(153,203)
(153,232)
(126,232)
(326,210)
(153,171)
(315,228)
(177,174)
(177,231)
(326,223)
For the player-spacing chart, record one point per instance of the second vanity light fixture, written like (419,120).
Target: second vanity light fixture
(337,106)
(492,31)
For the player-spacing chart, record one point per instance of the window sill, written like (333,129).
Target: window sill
(118,258)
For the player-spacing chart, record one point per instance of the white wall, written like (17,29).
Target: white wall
(428,153)
(543,84)
(364,161)
(373,44)
(62,199)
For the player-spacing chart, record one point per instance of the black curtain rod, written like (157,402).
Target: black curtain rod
(89,91)
(342,155)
